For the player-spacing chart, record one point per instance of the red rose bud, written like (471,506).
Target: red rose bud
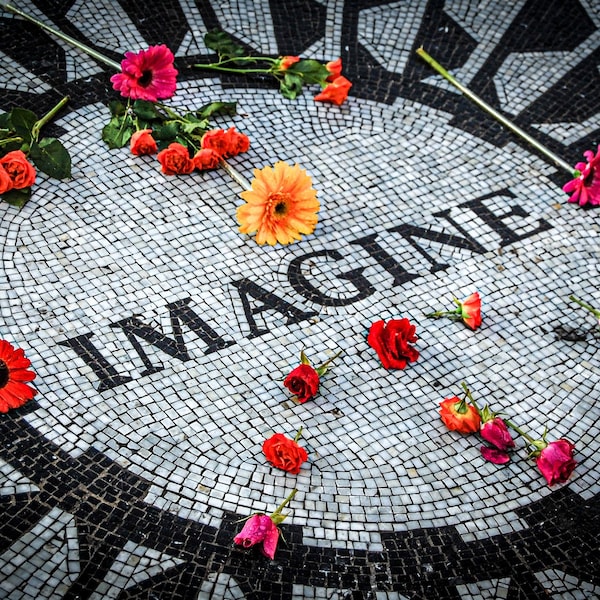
(493,455)
(470,310)
(303,382)
(143,143)
(285,62)
(21,172)
(556,462)
(459,416)
(392,342)
(284,453)
(496,432)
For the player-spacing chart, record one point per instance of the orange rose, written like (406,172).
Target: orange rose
(236,142)
(336,91)
(142,142)
(6,183)
(206,159)
(284,453)
(19,169)
(335,69)
(287,61)
(216,139)
(459,416)
(175,160)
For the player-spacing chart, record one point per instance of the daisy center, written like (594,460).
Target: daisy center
(145,79)
(279,202)
(3,374)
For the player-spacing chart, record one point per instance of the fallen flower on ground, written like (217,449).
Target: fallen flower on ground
(281,205)
(263,529)
(468,311)
(393,342)
(458,415)
(585,187)
(285,453)
(303,381)
(14,376)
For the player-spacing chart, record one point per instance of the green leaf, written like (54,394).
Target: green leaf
(146,110)
(223,44)
(5,121)
(117,108)
(216,108)
(22,121)
(17,197)
(290,86)
(166,131)
(311,71)
(118,132)
(198,128)
(51,157)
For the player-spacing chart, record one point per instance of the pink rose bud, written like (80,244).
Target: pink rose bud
(556,461)
(257,529)
(496,432)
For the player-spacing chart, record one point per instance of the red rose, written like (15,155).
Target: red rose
(236,142)
(286,62)
(6,183)
(284,453)
(142,143)
(206,159)
(470,311)
(303,381)
(496,432)
(460,416)
(175,160)
(392,341)
(216,139)
(19,169)
(556,461)
(336,91)
(335,69)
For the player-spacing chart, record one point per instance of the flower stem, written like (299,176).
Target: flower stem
(63,36)
(329,360)
(35,130)
(519,431)
(237,177)
(494,113)
(470,397)
(298,434)
(283,504)
(585,305)
(216,67)
(10,140)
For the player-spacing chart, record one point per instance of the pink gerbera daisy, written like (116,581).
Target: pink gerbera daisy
(147,75)
(585,188)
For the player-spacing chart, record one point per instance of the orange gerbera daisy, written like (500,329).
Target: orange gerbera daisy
(13,373)
(281,205)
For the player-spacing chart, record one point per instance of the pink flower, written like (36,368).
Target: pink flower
(493,455)
(147,75)
(496,432)
(259,529)
(585,187)
(555,461)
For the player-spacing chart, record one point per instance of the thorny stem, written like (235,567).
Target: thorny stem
(494,113)
(63,36)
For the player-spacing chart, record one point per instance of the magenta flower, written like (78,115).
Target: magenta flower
(585,187)
(556,462)
(493,455)
(147,75)
(496,432)
(259,529)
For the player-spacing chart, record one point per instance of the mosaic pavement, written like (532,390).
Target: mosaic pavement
(160,335)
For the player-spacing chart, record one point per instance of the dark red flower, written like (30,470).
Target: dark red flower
(14,392)
(303,381)
(392,342)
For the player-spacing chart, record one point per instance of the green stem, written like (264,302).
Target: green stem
(237,177)
(35,130)
(453,314)
(11,140)
(494,113)
(519,431)
(585,305)
(330,360)
(283,504)
(298,434)
(470,397)
(63,36)
(216,67)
